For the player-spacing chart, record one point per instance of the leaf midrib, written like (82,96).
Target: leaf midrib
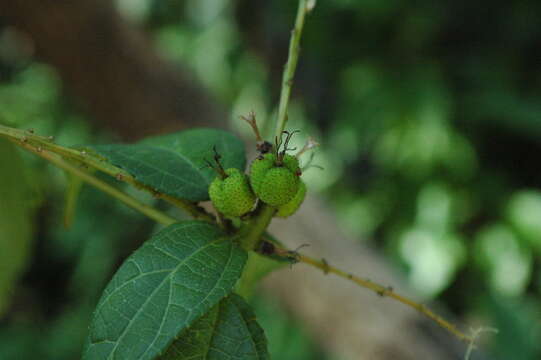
(213,331)
(248,330)
(155,290)
(229,259)
(245,325)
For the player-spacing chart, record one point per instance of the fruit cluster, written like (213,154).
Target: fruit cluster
(274,179)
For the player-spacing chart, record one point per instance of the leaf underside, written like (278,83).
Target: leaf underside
(174,164)
(163,288)
(227,332)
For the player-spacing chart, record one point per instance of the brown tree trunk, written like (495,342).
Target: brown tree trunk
(110,68)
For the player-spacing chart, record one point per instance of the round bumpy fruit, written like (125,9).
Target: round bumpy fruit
(232,196)
(258,169)
(292,164)
(275,184)
(293,205)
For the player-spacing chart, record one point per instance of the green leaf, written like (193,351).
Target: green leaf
(162,289)
(228,331)
(175,163)
(15,221)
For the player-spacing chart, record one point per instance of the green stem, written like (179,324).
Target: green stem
(145,209)
(379,289)
(291,65)
(28,137)
(251,232)
(72,193)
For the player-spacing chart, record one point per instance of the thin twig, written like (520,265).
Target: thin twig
(475,335)
(375,287)
(82,156)
(145,209)
(250,119)
(291,64)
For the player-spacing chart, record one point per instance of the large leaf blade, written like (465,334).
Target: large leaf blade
(165,286)
(175,163)
(228,331)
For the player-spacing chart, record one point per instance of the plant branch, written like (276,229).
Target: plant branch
(252,231)
(375,287)
(145,209)
(475,335)
(82,156)
(70,202)
(289,71)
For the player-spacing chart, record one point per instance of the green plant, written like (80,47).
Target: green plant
(293,205)
(176,296)
(231,194)
(275,181)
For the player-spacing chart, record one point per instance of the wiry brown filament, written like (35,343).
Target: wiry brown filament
(279,142)
(250,119)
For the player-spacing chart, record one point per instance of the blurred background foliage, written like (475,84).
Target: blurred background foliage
(429,116)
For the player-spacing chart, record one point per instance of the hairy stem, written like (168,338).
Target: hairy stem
(252,231)
(375,287)
(291,65)
(145,209)
(28,137)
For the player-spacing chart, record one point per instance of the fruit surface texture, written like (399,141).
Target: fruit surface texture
(232,196)
(275,182)
(293,205)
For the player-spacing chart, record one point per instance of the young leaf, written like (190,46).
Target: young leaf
(15,221)
(162,289)
(175,164)
(228,331)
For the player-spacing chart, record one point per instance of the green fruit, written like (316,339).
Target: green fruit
(293,205)
(292,164)
(275,184)
(259,168)
(232,196)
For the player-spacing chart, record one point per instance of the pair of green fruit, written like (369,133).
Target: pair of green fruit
(274,181)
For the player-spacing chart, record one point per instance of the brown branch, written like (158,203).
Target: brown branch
(381,290)
(347,322)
